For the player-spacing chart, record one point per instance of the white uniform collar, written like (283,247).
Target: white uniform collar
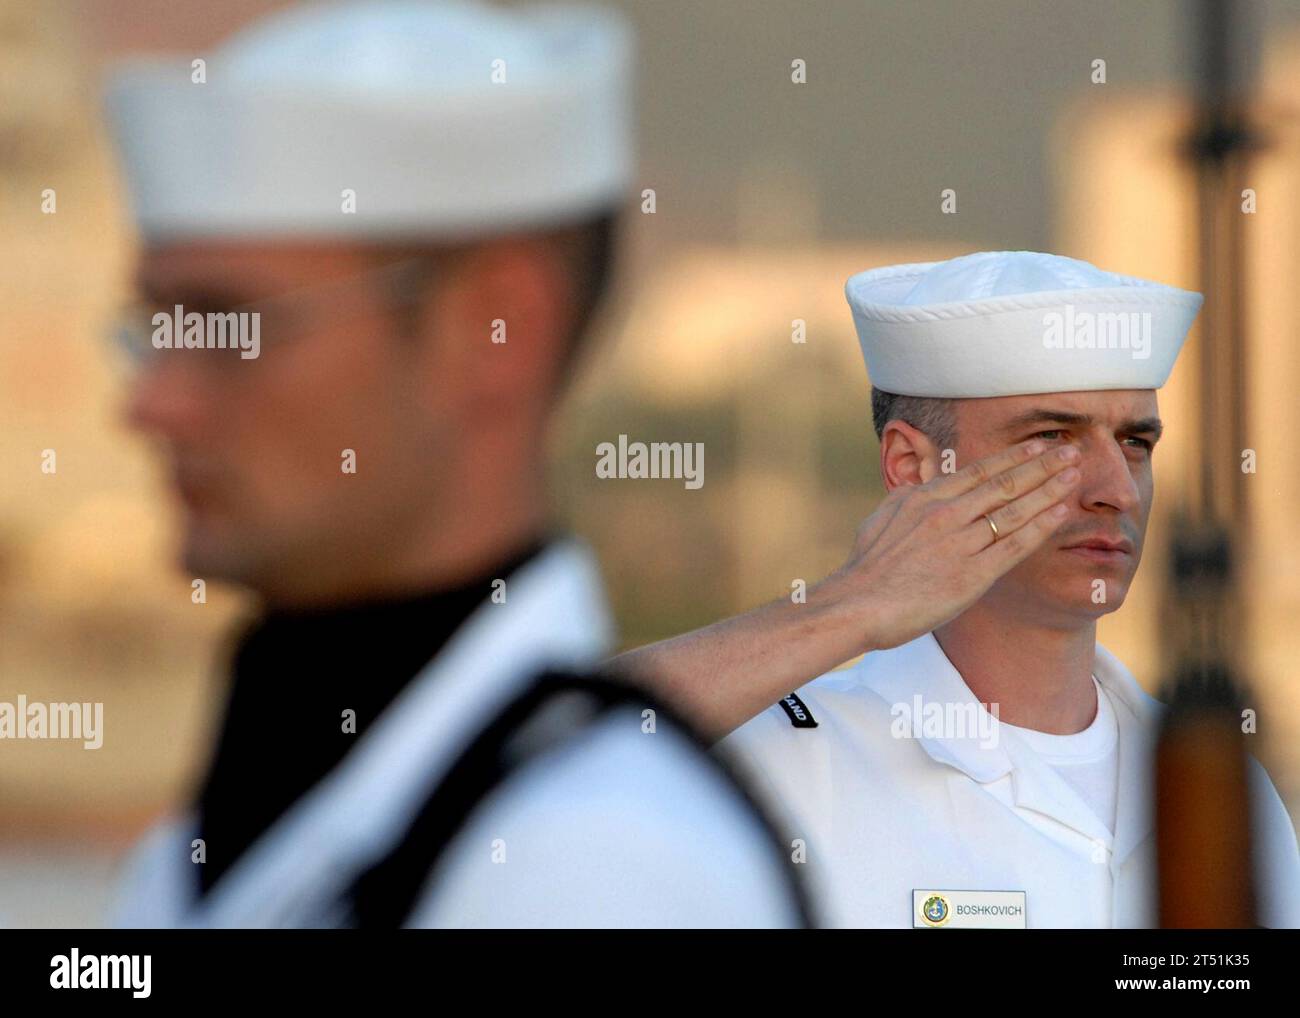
(921,668)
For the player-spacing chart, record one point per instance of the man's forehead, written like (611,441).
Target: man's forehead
(1111,406)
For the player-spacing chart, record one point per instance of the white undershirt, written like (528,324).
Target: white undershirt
(1087,760)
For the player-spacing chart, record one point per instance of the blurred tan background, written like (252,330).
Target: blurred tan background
(769,196)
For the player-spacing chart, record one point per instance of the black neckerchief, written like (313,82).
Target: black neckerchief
(295,673)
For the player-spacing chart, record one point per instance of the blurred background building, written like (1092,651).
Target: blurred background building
(769,195)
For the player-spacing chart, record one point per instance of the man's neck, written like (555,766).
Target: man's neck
(1039,676)
(435,549)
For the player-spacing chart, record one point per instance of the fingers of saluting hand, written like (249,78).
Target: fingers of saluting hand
(1010,549)
(1016,496)
(980,473)
(1025,522)
(1015,487)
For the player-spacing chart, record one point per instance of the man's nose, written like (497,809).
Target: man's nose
(1107,480)
(166,399)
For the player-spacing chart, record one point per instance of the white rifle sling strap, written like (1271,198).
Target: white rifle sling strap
(554,710)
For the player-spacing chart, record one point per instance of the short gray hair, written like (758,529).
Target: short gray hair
(933,416)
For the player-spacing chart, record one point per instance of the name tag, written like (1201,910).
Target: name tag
(968,910)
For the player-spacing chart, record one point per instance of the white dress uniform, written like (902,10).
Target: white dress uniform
(883,816)
(617,827)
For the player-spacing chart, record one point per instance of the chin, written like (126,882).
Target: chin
(208,555)
(1083,605)
(1069,593)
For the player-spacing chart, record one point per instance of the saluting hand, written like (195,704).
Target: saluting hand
(928,552)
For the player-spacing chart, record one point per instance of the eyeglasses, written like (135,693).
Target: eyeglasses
(233,335)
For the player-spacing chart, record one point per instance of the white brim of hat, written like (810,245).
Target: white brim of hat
(1006,345)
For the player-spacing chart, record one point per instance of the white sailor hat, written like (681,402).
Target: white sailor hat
(1004,323)
(443,119)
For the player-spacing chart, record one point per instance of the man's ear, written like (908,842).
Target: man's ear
(503,319)
(907,456)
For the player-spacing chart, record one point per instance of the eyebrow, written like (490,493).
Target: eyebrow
(199,298)
(1045,415)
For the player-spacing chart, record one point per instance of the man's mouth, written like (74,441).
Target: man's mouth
(1101,549)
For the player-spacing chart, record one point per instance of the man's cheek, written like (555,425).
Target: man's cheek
(1029,574)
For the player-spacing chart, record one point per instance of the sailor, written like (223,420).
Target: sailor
(417,200)
(986,762)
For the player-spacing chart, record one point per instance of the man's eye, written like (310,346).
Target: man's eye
(1143,443)
(1050,435)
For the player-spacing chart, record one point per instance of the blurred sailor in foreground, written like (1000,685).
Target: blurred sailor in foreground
(994,768)
(415,199)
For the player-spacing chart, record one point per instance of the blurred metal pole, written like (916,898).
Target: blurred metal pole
(1202,799)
